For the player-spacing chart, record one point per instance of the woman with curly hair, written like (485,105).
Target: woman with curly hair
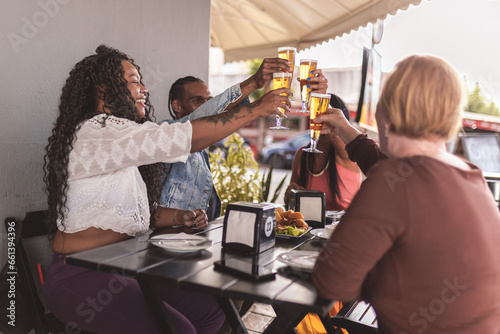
(102,175)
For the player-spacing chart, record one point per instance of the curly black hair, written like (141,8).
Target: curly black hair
(100,75)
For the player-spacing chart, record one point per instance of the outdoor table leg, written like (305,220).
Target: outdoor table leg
(328,326)
(157,307)
(233,315)
(286,320)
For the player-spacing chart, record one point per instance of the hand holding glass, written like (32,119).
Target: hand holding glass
(318,105)
(280,80)
(306,67)
(289,53)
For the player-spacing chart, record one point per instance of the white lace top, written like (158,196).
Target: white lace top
(105,188)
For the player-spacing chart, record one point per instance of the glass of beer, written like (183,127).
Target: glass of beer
(289,53)
(280,80)
(306,67)
(318,104)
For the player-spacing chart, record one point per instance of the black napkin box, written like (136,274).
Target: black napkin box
(311,203)
(255,267)
(249,227)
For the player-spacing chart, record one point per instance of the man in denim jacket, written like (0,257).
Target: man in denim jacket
(189,185)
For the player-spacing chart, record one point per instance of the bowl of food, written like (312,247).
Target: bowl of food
(290,223)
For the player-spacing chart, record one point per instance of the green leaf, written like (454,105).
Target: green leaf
(478,103)
(278,190)
(235,176)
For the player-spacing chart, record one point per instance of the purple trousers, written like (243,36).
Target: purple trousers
(107,303)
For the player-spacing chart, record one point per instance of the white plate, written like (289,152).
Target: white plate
(323,233)
(334,213)
(333,216)
(181,242)
(288,236)
(299,260)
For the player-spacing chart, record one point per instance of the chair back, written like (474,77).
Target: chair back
(33,257)
(33,235)
(358,317)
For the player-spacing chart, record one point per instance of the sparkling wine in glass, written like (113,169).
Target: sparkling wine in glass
(306,67)
(318,105)
(280,80)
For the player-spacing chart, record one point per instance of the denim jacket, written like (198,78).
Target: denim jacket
(190,185)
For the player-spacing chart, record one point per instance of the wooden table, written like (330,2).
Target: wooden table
(291,293)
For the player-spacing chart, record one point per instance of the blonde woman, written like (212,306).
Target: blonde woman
(420,238)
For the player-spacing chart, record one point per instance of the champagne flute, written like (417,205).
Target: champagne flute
(306,67)
(289,53)
(318,105)
(280,80)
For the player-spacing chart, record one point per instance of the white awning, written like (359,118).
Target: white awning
(246,29)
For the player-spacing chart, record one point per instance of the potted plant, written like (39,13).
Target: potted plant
(236,174)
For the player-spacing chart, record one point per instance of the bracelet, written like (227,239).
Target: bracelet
(175,216)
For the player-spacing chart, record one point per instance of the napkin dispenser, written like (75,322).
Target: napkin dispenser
(255,267)
(249,227)
(311,203)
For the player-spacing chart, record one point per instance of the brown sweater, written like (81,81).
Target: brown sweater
(421,242)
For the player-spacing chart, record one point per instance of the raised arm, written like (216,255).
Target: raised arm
(362,150)
(318,82)
(217,104)
(261,77)
(335,122)
(209,130)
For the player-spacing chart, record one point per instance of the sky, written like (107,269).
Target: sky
(466,33)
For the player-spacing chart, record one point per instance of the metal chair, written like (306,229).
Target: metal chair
(357,318)
(33,255)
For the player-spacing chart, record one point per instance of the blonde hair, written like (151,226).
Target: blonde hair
(423,98)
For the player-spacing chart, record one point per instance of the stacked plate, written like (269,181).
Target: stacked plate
(333,217)
(181,242)
(300,260)
(324,233)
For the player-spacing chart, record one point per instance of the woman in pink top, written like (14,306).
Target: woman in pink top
(331,172)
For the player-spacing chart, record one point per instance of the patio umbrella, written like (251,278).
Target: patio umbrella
(246,29)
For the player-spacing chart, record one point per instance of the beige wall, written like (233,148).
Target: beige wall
(40,42)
